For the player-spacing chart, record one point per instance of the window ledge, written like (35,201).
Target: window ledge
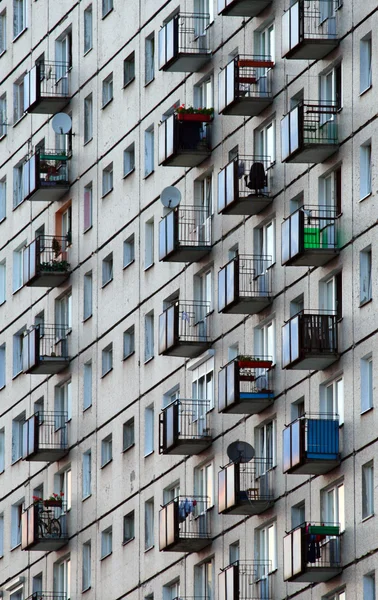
(106,283)
(367,518)
(14,462)
(1,304)
(149,548)
(128,83)
(366,90)
(367,410)
(20,34)
(149,267)
(128,355)
(88,51)
(128,264)
(106,555)
(15,547)
(147,83)
(2,53)
(17,375)
(365,302)
(108,13)
(148,360)
(86,497)
(128,448)
(87,142)
(107,193)
(149,454)
(107,372)
(107,103)
(19,121)
(124,543)
(147,175)
(85,589)
(87,318)
(4,134)
(106,464)
(19,204)
(367,196)
(129,173)
(88,229)
(87,408)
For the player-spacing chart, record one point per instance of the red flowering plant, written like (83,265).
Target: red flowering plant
(190,110)
(52,498)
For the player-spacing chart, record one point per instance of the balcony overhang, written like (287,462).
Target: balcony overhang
(244,186)
(186,349)
(248,306)
(313,257)
(312,153)
(314,361)
(247,107)
(48,365)
(187,62)
(47,455)
(249,507)
(253,204)
(312,49)
(49,279)
(189,447)
(242,8)
(47,545)
(188,254)
(250,404)
(245,386)
(49,193)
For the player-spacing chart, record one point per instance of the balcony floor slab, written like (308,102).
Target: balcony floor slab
(252,204)
(312,49)
(186,62)
(50,279)
(245,8)
(247,107)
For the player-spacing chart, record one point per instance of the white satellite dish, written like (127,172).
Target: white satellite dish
(61,123)
(170,197)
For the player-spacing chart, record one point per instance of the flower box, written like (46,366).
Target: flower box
(194,117)
(254,364)
(50,503)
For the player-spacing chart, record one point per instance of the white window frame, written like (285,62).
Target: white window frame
(3,283)
(107,180)
(266,442)
(88,118)
(265,340)
(3,31)
(129,160)
(366,276)
(18,100)
(368,586)
(63,398)
(106,542)
(107,269)
(265,41)
(129,527)
(107,90)
(149,430)
(63,311)
(88,29)
(204,580)
(18,344)
(128,434)
(333,504)
(365,170)
(367,385)
(365,63)
(19,17)
(106,450)
(62,577)
(149,151)
(129,342)
(266,547)
(2,450)
(107,7)
(129,251)
(149,335)
(129,69)
(332,398)
(265,141)
(367,488)
(3,111)
(87,475)
(149,49)
(88,207)
(16,523)
(87,296)
(107,360)
(203,382)
(149,524)
(87,385)
(86,566)
(204,483)
(17,437)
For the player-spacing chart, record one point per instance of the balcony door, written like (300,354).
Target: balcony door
(203,389)
(266,550)
(203,193)
(63,58)
(204,580)
(62,578)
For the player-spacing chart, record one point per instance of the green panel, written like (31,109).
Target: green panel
(311,237)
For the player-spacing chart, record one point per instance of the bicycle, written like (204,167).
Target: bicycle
(48,525)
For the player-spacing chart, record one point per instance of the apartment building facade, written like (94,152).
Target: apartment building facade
(187,322)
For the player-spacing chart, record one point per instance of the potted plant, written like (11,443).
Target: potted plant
(54,500)
(201,115)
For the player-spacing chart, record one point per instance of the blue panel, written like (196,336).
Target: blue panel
(251,396)
(322,439)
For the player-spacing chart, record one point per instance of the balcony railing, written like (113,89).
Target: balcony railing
(185,234)
(183,143)
(45,175)
(309,132)
(47,88)
(46,261)
(184,427)
(44,527)
(185,43)
(47,596)
(245,85)
(246,488)
(184,524)
(245,385)
(184,329)
(309,340)
(312,552)
(45,436)
(245,285)
(45,349)
(309,29)
(241,8)
(246,580)
(311,445)
(310,236)
(244,185)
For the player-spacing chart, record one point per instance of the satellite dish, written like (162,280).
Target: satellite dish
(61,123)
(240,452)
(170,197)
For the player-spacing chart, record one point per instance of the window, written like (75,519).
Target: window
(333,505)
(2,450)
(88,118)
(3,197)
(106,542)
(88,207)
(1,535)
(18,100)
(129,160)
(365,64)
(171,492)
(171,591)
(369,586)
(204,481)
(365,276)
(63,483)
(330,193)
(87,311)
(203,198)
(204,7)
(17,594)
(233,552)
(265,142)
(107,359)
(332,398)
(63,399)
(18,185)
(128,527)
(62,578)
(149,73)
(129,69)
(266,546)
(87,395)
(86,574)
(264,241)
(18,271)
(204,580)
(19,17)
(266,444)
(365,170)
(37,585)
(107,269)
(107,6)
(203,288)
(265,340)
(149,244)
(149,336)
(128,434)
(18,342)
(366,383)
(107,90)
(17,429)
(128,251)
(298,515)
(3,106)
(106,450)
(2,366)
(149,524)
(330,295)
(3,32)
(88,29)
(3,282)
(129,342)
(368,490)
(203,382)
(63,311)
(149,430)
(203,94)
(107,180)
(16,512)
(330,89)
(87,474)
(149,151)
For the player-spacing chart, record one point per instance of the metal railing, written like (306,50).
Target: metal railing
(243,177)
(188,226)
(254,274)
(254,380)
(308,332)
(246,77)
(321,544)
(52,430)
(309,227)
(49,252)
(314,19)
(193,516)
(186,321)
(189,32)
(53,78)
(255,480)
(52,167)
(51,520)
(47,596)
(53,340)
(193,418)
(253,581)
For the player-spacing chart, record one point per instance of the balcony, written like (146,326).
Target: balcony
(245,285)
(46,176)
(245,385)
(309,132)
(184,427)
(312,553)
(185,234)
(244,186)
(184,329)
(245,86)
(45,349)
(46,262)
(184,524)
(47,88)
(184,43)
(309,341)
(310,237)
(45,437)
(183,143)
(309,29)
(44,527)
(246,580)
(47,596)
(245,488)
(311,445)
(241,8)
